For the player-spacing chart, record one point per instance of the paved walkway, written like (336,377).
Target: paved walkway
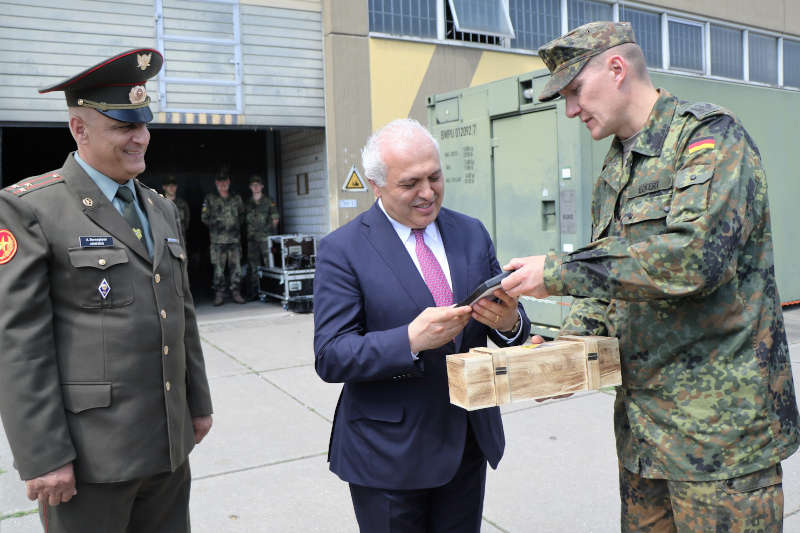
(262,468)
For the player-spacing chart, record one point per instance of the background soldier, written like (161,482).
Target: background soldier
(262,221)
(170,188)
(681,271)
(223,213)
(103,389)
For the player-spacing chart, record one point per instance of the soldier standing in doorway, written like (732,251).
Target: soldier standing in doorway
(223,213)
(170,188)
(262,217)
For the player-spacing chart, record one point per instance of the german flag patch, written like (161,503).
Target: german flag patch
(701,144)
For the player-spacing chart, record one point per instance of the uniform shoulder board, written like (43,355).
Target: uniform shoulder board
(27,185)
(701,110)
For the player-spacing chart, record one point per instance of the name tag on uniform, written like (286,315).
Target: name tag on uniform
(100,241)
(172,239)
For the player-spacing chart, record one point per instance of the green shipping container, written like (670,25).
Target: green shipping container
(527,171)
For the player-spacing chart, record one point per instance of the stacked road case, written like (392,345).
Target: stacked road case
(289,277)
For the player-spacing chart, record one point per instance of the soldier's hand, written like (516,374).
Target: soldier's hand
(436,326)
(201,425)
(527,278)
(54,487)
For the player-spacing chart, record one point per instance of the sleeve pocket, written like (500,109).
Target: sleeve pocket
(80,397)
(690,200)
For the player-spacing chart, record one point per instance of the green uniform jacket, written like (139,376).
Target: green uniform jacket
(681,270)
(109,383)
(183,213)
(224,217)
(260,217)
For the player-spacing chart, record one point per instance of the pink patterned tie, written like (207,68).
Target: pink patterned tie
(432,272)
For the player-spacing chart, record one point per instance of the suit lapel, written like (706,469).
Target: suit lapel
(157,221)
(383,238)
(454,247)
(97,207)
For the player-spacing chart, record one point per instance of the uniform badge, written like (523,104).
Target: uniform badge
(138,94)
(138,233)
(8,246)
(104,288)
(143,61)
(701,144)
(88,202)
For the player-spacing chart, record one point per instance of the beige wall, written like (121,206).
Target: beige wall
(775,15)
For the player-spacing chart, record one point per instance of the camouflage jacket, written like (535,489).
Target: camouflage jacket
(183,213)
(224,217)
(681,271)
(260,218)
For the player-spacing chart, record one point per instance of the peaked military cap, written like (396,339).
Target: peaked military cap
(567,55)
(115,87)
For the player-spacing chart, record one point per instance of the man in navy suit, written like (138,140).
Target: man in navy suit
(384,322)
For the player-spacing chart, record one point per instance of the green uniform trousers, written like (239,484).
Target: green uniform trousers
(155,504)
(752,503)
(230,256)
(256,256)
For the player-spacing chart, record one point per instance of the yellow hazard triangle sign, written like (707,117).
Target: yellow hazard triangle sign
(353,182)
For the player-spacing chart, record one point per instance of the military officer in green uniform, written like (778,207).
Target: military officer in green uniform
(170,187)
(223,213)
(680,269)
(103,388)
(262,218)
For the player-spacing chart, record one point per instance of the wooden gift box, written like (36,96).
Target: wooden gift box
(486,377)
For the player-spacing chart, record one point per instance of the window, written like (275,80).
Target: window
(451,32)
(582,11)
(647,29)
(481,16)
(763,58)
(403,17)
(791,63)
(535,22)
(686,46)
(726,52)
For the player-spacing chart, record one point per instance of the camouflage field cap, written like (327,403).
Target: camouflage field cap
(114,87)
(170,180)
(567,55)
(255,178)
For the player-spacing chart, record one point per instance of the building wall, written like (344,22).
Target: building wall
(775,15)
(303,154)
(43,42)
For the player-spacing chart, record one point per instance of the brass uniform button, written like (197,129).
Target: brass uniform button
(168,386)
(101,262)
(166,350)
(163,314)
(158,278)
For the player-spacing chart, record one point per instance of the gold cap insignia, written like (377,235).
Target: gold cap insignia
(88,202)
(138,94)
(143,60)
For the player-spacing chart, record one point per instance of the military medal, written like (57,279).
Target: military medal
(8,246)
(104,288)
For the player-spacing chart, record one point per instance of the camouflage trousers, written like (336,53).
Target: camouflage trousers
(230,256)
(752,503)
(256,256)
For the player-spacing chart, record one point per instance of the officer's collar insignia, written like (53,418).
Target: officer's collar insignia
(138,94)
(143,61)
(88,202)
(138,233)
(8,246)
(104,288)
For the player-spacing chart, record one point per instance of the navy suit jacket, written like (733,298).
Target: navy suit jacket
(394,426)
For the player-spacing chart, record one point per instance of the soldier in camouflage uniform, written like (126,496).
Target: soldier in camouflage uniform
(170,187)
(262,218)
(680,269)
(223,213)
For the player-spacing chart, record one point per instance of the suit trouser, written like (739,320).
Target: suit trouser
(456,507)
(155,504)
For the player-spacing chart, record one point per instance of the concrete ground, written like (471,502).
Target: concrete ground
(262,468)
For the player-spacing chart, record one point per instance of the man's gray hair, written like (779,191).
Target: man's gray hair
(397,131)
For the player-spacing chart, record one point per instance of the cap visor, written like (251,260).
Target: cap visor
(141,114)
